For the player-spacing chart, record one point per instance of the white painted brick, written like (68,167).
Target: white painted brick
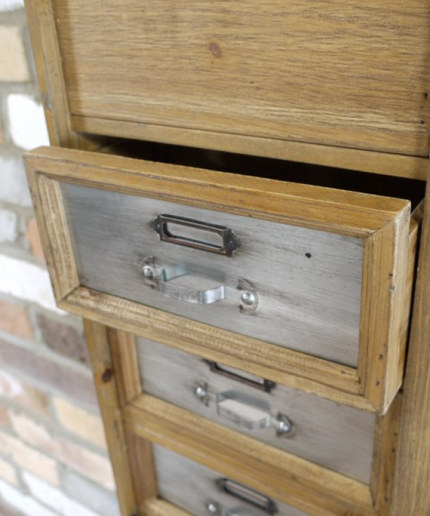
(26,281)
(8,225)
(13,59)
(13,183)
(85,462)
(8,473)
(54,498)
(22,503)
(11,5)
(89,494)
(27,126)
(25,457)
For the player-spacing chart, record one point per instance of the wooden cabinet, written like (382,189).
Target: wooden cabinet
(238,190)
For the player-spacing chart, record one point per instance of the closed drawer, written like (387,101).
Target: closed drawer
(332,435)
(174,71)
(203,492)
(224,263)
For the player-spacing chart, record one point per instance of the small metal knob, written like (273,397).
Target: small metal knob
(148,272)
(283,425)
(213,508)
(201,392)
(248,298)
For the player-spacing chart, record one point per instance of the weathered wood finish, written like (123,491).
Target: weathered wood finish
(382,222)
(348,159)
(191,486)
(105,382)
(410,492)
(326,433)
(289,479)
(308,281)
(255,71)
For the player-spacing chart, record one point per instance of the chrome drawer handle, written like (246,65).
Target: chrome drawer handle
(160,277)
(166,225)
(245,411)
(245,494)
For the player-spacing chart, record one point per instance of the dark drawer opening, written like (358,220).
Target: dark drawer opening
(295,172)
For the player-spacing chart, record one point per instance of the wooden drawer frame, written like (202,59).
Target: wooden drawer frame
(389,241)
(65,126)
(412,459)
(134,419)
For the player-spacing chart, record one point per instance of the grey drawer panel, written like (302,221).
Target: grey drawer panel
(192,487)
(308,281)
(329,434)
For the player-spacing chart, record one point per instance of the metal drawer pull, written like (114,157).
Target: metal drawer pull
(159,278)
(239,376)
(165,226)
(258,500)
(245,411)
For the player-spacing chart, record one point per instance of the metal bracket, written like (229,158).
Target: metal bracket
(160,278)
(245,411)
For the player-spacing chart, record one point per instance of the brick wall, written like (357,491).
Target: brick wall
(53,458)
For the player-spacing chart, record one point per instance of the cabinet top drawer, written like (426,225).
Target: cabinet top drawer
(345,74)
(302,283)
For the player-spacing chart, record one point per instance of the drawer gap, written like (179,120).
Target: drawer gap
(255,166)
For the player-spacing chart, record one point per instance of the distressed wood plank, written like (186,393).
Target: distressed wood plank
(326,433)
(105,382)
(123,349)
(217,67)
(192,486)
(398,165)
(410,492)
(283,476)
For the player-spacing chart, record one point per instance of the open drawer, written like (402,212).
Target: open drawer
(303,285)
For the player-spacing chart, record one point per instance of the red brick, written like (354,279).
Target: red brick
(63,339)
(64,379)
(14,319)
(33,238)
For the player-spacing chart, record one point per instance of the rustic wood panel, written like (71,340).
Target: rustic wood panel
(123,350)
(347,213)
(326,433)
(308,282)
(383,332)
(385,454)
(410,492)
(105,382)
(255,71)
(398,165)
(192,486)
(158,507)
(289,479)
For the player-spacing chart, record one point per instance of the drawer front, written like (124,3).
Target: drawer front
(331,435)
(306,283)
(251,71)
(229,263)
(204,492)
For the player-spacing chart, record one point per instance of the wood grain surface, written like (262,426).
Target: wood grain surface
(191,486)
(382,222)
(289,479)
(326,433)
(344,74)
(410,492)
(106,387)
